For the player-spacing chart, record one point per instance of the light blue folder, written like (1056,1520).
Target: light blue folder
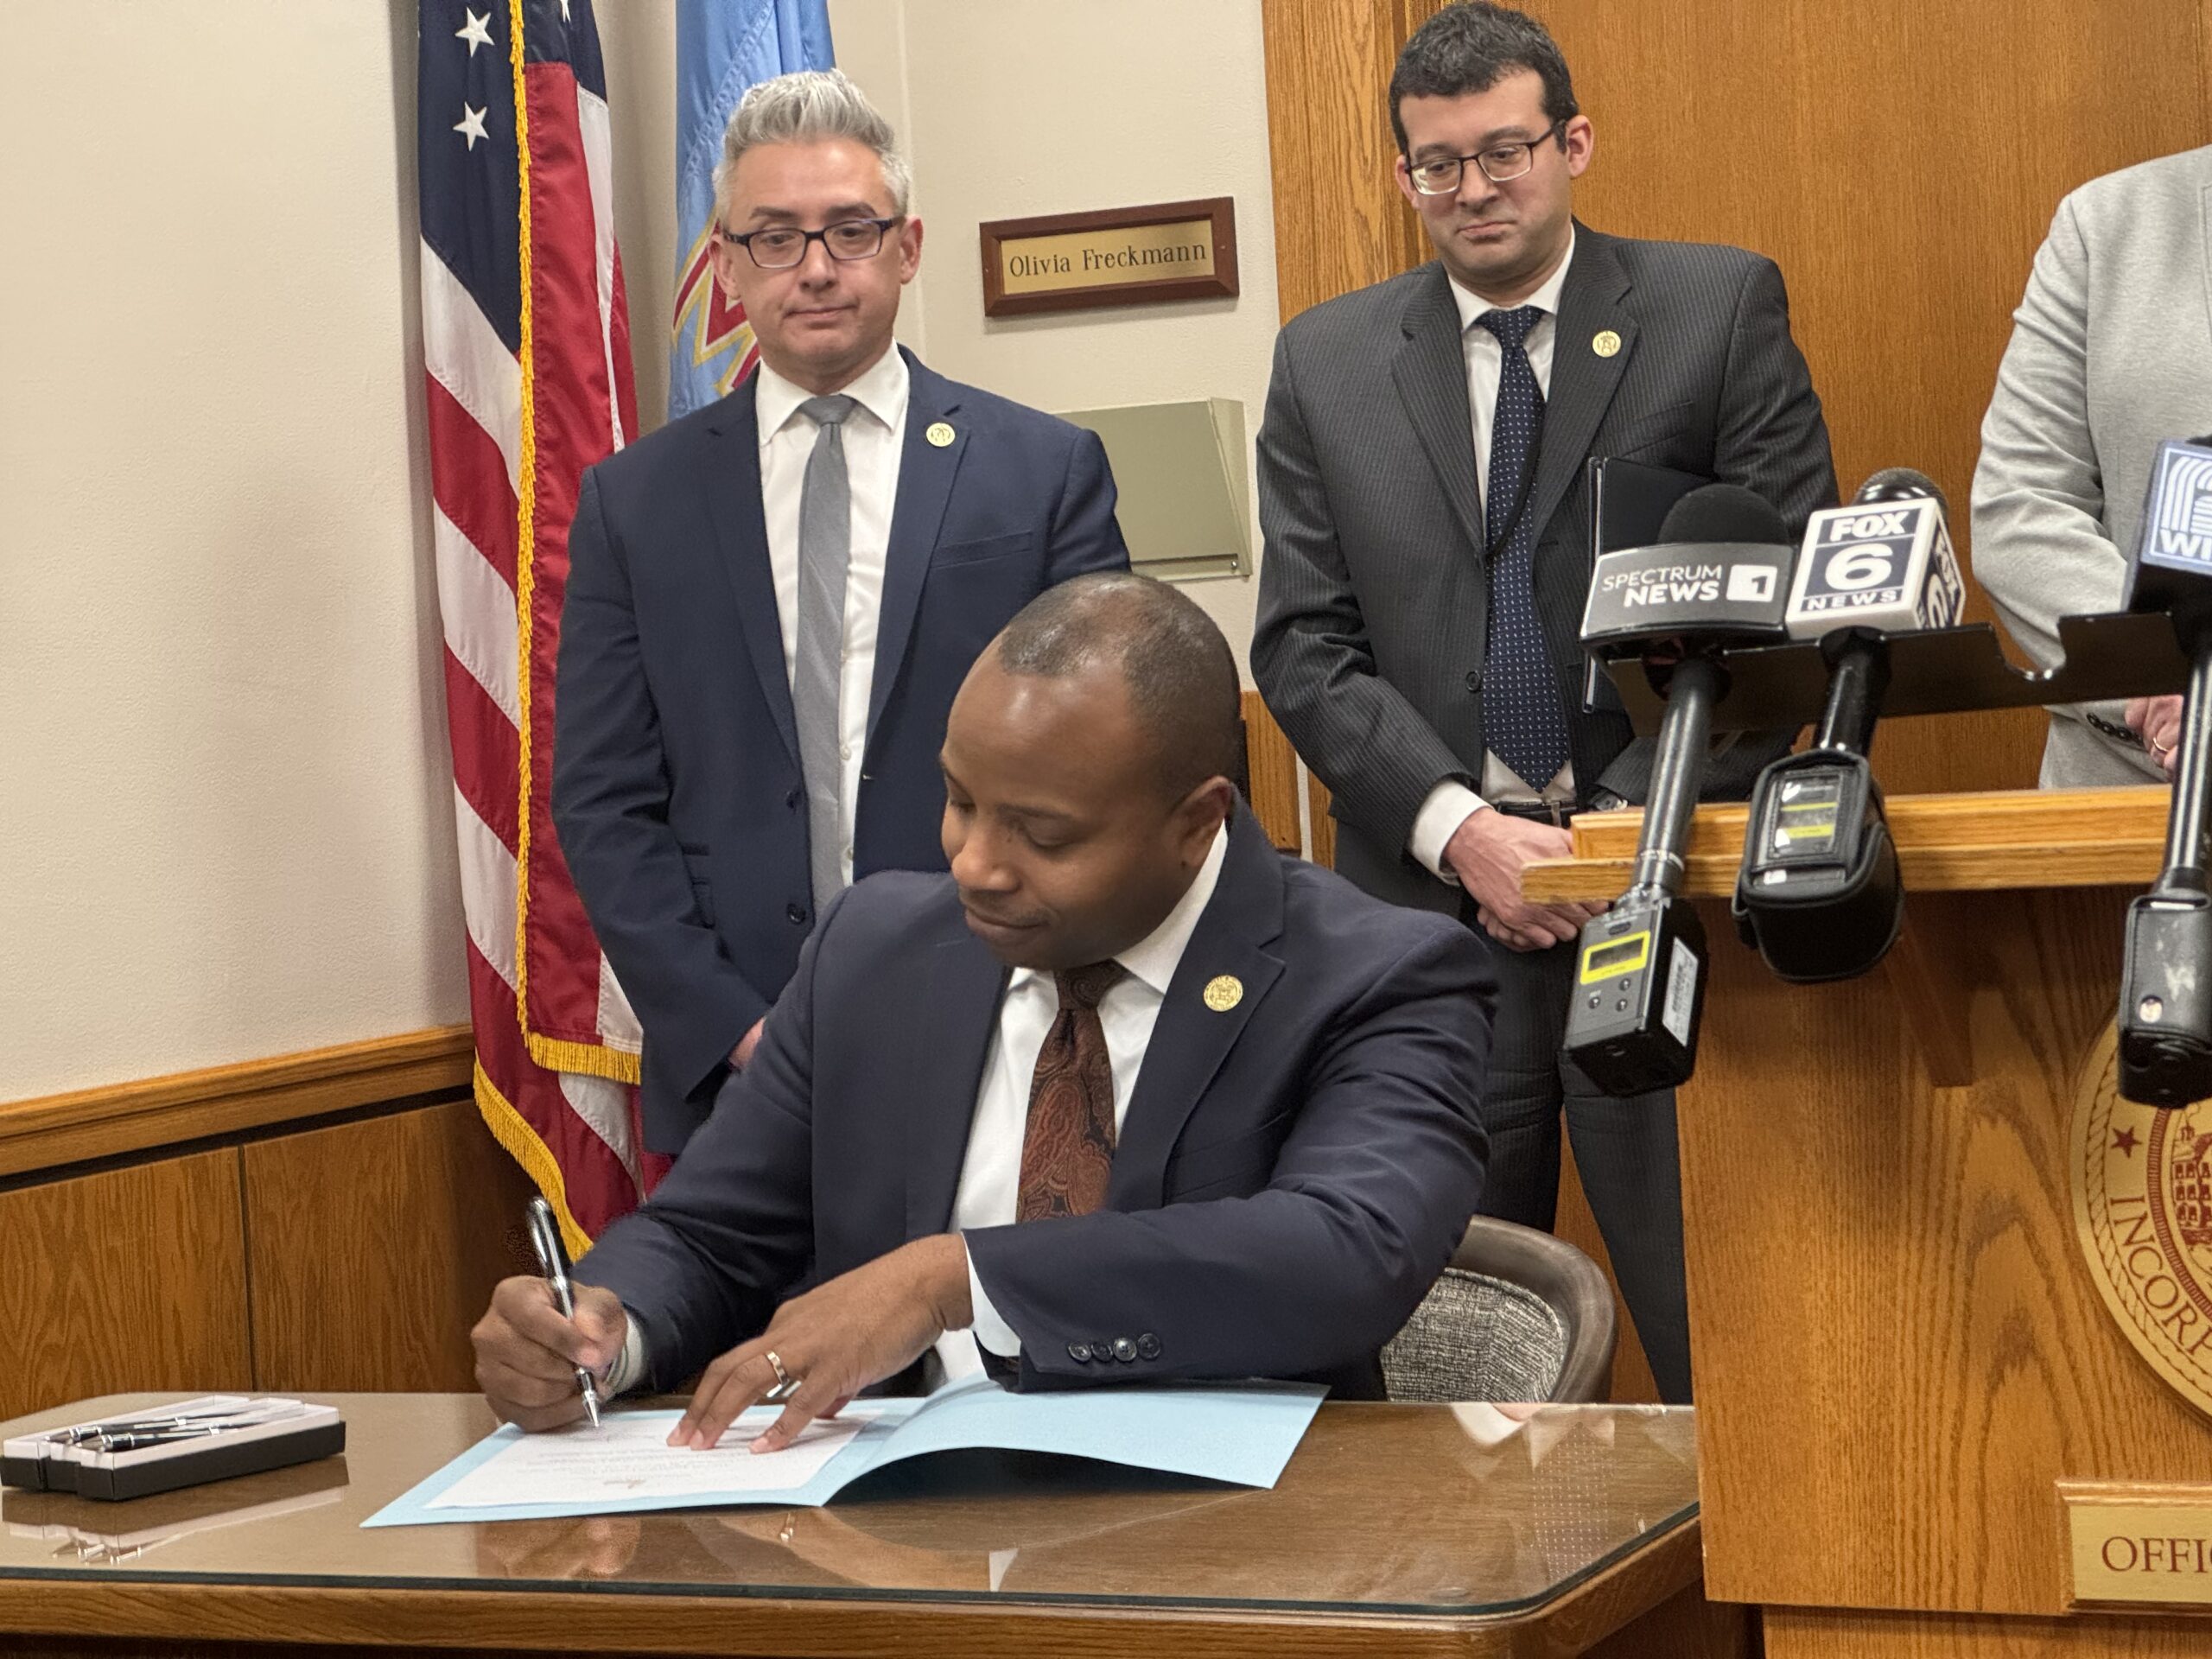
(1244,1436)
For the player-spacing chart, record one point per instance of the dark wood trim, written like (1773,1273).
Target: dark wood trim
(131,1612)
(55,1130)
(1219,211)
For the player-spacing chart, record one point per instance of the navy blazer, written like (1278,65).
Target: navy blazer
(676,791)
(1292,1172)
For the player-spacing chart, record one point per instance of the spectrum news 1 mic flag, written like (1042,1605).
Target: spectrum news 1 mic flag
(723,48)
(528,380)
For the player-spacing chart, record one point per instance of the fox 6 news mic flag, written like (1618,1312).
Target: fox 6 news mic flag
(1875,564)
(528,380)
(1818,891)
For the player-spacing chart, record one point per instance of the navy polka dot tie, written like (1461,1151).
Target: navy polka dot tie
(1522,717)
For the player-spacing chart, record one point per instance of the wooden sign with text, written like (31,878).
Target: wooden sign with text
(1117,256)
(2129,1542)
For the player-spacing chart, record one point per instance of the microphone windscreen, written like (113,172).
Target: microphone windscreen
(1902,484)
(1723,512)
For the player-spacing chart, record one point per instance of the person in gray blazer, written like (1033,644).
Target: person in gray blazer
(2111,352)
(1428,553)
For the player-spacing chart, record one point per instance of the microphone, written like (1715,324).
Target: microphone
(1718,576)
(2165,992)
(1818,893)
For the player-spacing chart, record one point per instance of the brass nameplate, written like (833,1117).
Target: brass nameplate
(1051,264)
(1118,255)
(2142,1544)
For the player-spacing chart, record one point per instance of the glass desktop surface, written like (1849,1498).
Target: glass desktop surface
(1426,1509)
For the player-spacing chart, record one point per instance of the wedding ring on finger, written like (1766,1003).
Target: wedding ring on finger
(786,1384)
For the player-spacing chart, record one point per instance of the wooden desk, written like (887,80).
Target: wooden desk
(1405,1530)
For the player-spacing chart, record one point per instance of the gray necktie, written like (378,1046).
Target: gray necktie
(825,548)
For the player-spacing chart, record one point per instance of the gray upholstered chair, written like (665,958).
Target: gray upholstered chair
(1518,1315)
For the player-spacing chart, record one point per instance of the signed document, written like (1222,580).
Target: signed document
(1243,1435)
(628,1456)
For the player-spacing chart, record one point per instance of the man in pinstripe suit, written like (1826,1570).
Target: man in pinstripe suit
(1428,555)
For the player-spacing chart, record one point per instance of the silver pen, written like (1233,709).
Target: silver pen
(131,1437)
(165,1420)
(553,1261)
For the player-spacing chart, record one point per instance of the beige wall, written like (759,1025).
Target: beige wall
(226,829)
(1014,107)
(226,819)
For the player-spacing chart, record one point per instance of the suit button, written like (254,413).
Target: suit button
(1147,1346)
(1079,1353)
(1124,1350)
(1474,679)
(797,914)
(794,798)
(1102,1350)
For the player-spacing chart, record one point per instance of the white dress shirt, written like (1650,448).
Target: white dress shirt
(1451,802)
(875,436)
(990,1174)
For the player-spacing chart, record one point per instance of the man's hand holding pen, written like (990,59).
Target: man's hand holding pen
(527,1354)
(819,1351)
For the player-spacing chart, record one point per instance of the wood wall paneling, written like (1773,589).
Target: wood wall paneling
(1272,766)
(373,1247)
(1901,159)
(130,1278)
(1340,222)
(119,1118)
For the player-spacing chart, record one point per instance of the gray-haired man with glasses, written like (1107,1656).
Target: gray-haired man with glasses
(772,602)
(1428,555)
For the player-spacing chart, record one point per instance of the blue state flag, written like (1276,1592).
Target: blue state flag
(722,47)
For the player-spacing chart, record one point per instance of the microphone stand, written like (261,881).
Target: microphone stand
(1638,996)
(1819,892)
(2166,988)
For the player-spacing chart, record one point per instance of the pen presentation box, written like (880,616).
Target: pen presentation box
(242,1435)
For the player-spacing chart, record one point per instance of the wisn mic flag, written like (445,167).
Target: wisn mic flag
(526,359)
(722,47)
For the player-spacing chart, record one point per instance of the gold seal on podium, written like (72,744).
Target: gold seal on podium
(2142,1185)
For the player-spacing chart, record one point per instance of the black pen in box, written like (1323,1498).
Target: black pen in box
(159,1448)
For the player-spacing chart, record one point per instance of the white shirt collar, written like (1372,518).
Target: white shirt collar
(881,389)
(1154,959)
(1546,299)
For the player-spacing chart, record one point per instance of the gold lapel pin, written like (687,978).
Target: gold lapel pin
(1223,992)
(1606,343)
(939,434)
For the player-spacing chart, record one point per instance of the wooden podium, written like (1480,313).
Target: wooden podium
(1901,1351)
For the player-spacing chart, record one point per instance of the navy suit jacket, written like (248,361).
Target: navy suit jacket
(677,790)
(1292,1172)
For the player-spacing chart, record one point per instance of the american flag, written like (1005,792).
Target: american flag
(527,371)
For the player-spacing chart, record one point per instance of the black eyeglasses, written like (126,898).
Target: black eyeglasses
(782,246)
(1501,164)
